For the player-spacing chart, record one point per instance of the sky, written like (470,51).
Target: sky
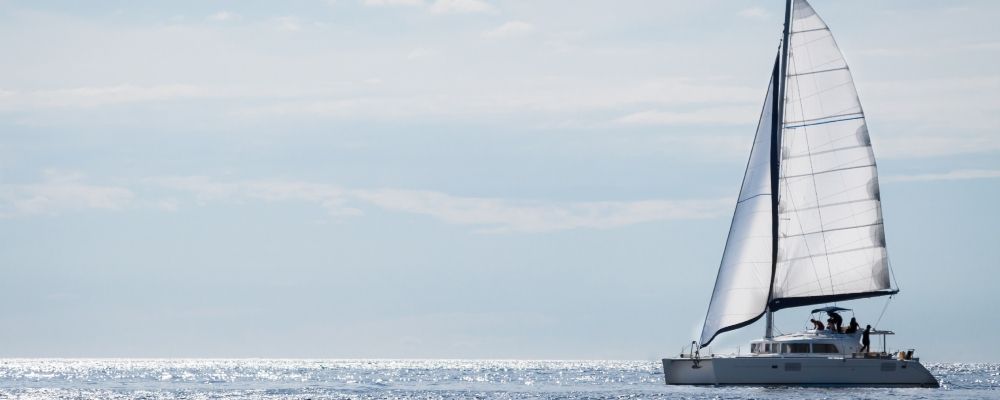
(456,178)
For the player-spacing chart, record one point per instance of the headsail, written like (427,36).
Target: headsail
(830,242)
(744,280)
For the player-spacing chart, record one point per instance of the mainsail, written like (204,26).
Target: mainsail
(828,234)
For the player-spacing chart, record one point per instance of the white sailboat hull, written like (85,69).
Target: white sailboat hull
(797,371)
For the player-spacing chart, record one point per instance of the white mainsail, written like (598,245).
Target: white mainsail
(830,241)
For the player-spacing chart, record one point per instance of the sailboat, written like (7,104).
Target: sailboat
(807,230)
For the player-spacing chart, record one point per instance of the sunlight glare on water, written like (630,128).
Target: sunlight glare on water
(417,379)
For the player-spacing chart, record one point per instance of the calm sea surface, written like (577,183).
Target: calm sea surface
(418,379)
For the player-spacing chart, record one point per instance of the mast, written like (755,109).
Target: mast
(776,126)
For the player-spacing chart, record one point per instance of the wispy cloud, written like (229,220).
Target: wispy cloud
(499,215)
(223,16)
(703,116)
(480,98)
(98,96)
(288,24)
(331,197)
(923,146)
(420,52)
(60,191)
(385,3)
(485,214)
(461,7)
(510,29)
(754,12)
(957,175)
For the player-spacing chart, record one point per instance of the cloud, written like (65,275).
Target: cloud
(742,115)
(481,98)
(923,146)
(287,24)
(510,29)
(87,97)
(330,197)
(223,16)
(419,52)
(499,215)
(754,12)
(461,7)
(957,175)
(384,3)
(486,214)
(60,191)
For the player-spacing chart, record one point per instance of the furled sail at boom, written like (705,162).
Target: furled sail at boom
(830,241)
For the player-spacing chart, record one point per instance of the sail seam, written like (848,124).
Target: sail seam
(753,197)
(839,203)
(828,171)
(832,253)
(826,151)
(833,230)
(819,72)
(822,123)
(812,30)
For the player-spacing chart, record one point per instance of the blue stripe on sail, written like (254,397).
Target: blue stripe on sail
(823,122)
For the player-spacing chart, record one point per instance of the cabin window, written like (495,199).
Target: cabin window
(755,347)
(824,348)
(795,348)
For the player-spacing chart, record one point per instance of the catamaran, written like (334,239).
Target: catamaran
(807,230)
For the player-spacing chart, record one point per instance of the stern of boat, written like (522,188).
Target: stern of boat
(688,371)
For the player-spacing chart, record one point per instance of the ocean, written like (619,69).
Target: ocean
(419,379)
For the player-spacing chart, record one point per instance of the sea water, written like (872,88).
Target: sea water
(419,379)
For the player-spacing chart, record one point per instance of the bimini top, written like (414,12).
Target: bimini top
(830,309)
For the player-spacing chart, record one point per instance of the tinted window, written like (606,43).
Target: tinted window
(824,348)
(795,348)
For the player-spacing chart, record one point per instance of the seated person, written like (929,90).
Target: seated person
(817,325)
(853,327)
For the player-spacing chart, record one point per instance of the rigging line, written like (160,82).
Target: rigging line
(885,307)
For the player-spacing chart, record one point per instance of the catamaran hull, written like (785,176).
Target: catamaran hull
(797,371)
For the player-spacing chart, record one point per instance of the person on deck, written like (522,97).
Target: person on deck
(837,321)
(865,341)
(817,325)
(829,325)
(853,327)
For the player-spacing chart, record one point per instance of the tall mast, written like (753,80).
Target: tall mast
(776,126)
